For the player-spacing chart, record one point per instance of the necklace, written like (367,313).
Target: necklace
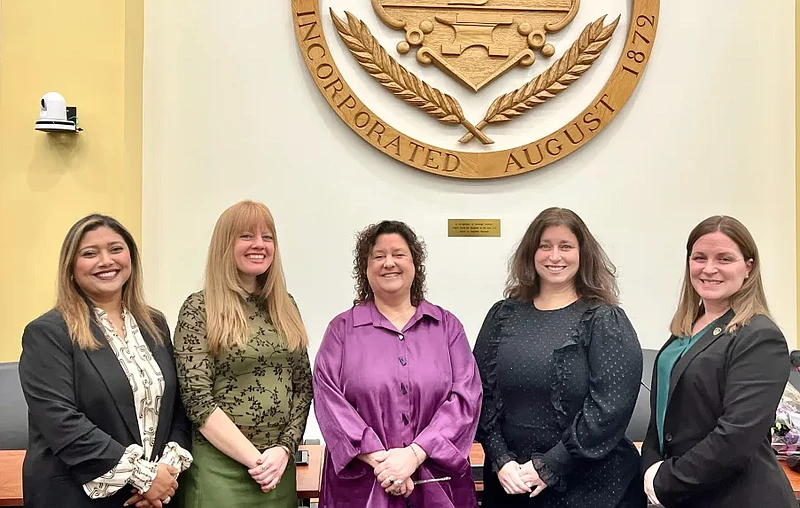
(401,314)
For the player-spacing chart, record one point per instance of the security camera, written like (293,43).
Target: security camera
(55,115)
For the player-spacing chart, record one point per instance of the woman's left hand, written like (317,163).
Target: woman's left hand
(270,467)
(649,478)
(399,464)
(137,500)
(404,489)
(531,478)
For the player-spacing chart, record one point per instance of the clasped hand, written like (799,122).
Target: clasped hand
(269,468)
(393,469)
(520,479)
(160,492)
(649,479)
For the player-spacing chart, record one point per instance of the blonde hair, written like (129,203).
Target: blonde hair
(76,307)
(227,324)
(748,301)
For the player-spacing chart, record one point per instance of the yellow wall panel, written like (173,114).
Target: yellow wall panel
(90,51)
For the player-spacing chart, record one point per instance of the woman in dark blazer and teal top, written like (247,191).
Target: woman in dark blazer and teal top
(717,383)
(106,425)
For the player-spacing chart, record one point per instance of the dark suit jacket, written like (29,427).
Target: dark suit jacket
(723,395)
(81,413)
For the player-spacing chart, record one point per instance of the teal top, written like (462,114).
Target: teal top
(666,362)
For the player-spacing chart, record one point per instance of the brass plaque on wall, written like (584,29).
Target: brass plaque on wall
(473,227)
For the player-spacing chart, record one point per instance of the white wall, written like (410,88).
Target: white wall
(231,112)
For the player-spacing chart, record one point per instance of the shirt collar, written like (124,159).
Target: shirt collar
(367,313)
(131,327)
(101,314)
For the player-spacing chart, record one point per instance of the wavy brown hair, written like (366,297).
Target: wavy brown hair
(596,278)
(365,241)
(223,289)
(73,304)
(748,301)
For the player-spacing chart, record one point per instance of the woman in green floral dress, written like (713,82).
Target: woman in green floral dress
(243,369)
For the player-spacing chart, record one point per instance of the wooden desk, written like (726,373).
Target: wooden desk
(308,477)
(11,477)
(476,459)
(794,478)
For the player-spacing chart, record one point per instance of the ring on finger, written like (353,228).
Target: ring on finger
(167,500)
(398,482)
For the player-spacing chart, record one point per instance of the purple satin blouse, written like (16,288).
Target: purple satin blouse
(377,388)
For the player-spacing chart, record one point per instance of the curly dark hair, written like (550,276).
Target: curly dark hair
(365,241)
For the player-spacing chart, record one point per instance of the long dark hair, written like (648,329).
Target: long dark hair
(596,278)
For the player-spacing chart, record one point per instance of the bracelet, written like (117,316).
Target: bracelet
(419,462)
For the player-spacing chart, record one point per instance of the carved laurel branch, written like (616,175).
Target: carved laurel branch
(565,71)
(397,79)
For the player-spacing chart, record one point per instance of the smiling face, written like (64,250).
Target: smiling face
(390,268)
(557,258)
(102,265)
(717,269)
(253,252)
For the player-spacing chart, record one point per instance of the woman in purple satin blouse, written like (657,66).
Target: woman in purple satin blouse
(396,390)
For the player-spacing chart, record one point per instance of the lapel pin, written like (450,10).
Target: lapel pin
(717,331)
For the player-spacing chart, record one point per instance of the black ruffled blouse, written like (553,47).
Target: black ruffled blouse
(559,390)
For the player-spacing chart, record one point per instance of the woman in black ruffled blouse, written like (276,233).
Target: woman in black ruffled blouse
(561,366)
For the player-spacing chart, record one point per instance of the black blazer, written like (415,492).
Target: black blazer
(723,395)
(81,414)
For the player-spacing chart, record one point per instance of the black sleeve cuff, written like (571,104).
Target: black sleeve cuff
(502,460)
(554,466)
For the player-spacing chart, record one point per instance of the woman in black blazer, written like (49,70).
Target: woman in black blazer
(106,425)
(717,383)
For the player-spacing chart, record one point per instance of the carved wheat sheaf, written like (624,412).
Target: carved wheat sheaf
(565,71)
(397,79)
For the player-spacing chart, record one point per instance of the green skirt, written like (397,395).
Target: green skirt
(214,479)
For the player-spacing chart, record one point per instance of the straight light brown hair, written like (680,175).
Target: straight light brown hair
(595,280)
(224,294)
(748,301)
(77,308)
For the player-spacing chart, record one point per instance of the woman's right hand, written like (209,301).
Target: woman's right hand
(374,458)
(270,467)
(163,487)
(510,479)
(649,479)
